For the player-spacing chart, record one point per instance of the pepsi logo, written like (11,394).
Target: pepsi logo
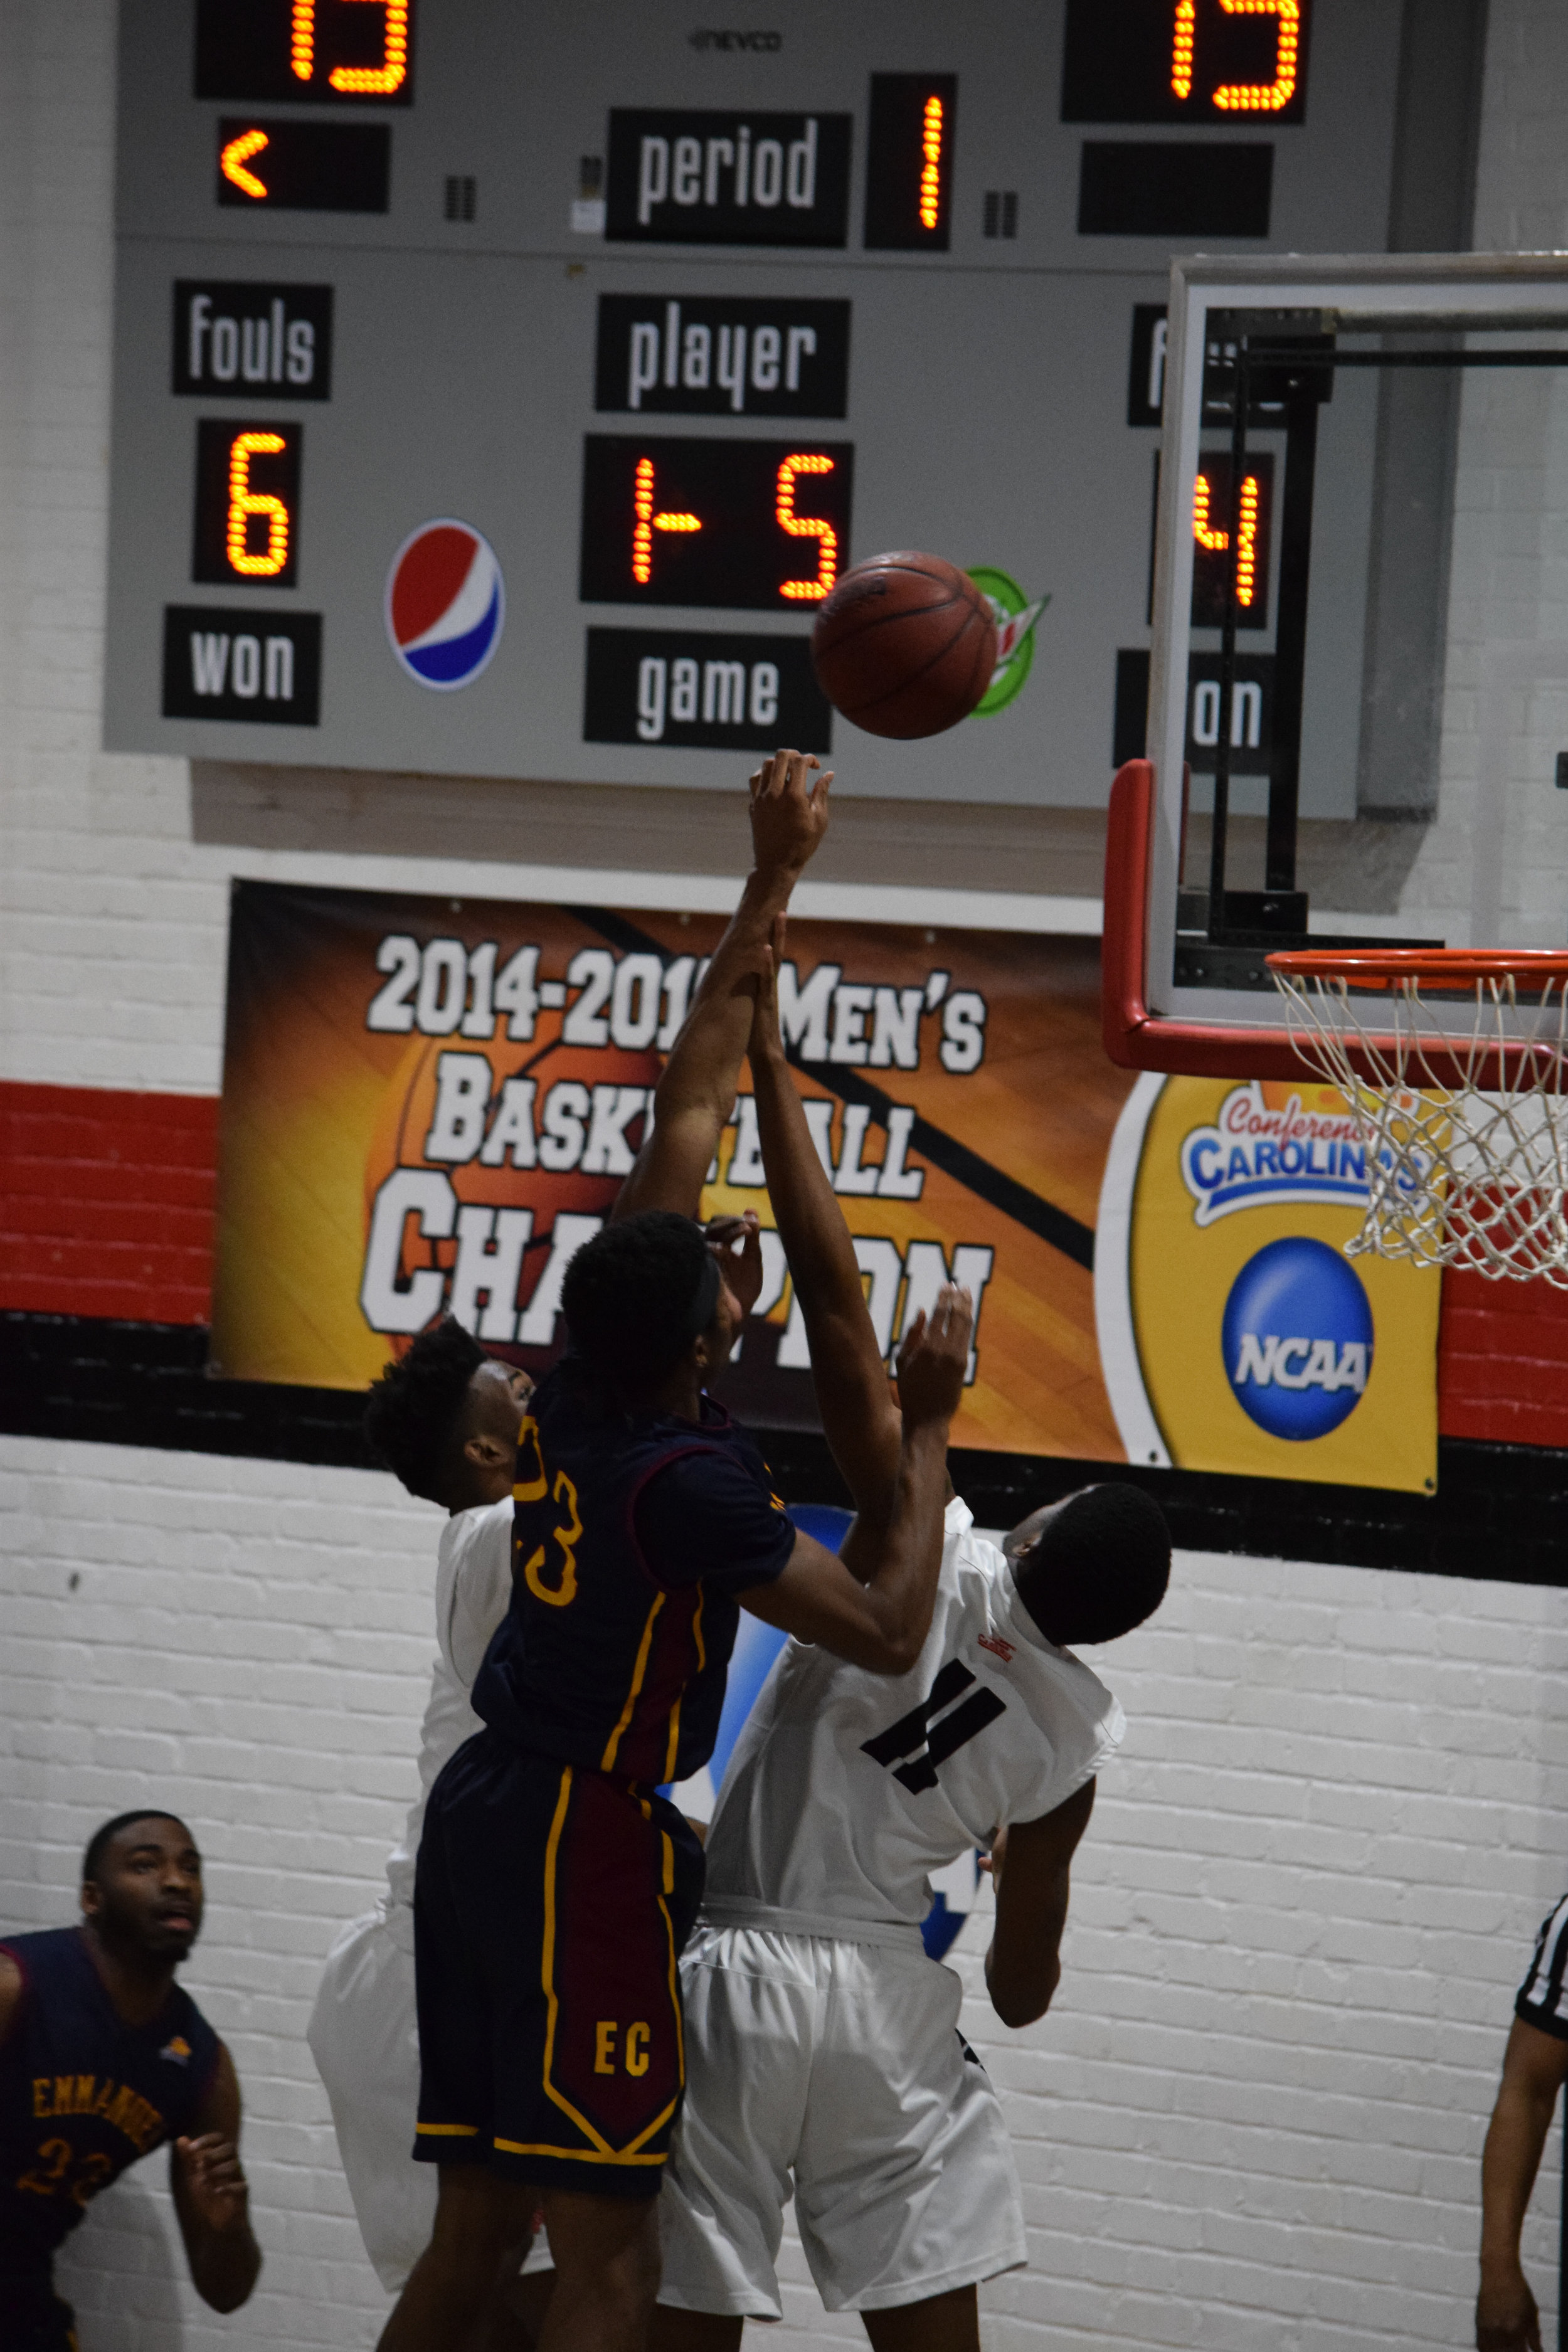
(446,603)
(1298,1339)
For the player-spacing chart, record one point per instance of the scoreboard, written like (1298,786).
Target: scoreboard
(499,388)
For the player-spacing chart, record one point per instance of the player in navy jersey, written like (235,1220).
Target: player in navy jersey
(103,2059)
(555,1887)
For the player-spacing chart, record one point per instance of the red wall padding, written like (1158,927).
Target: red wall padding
(106,1208)
(1502,1362)
(106,1203)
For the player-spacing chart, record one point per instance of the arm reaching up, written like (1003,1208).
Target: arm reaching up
(695,1096)
(860,1418)
(879,1616)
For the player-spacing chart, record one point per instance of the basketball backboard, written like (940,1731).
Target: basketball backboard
(1358,675)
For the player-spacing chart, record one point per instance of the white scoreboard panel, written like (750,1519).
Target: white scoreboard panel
(499,387)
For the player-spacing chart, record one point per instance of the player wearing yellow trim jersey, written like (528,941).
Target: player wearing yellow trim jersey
(555,1887)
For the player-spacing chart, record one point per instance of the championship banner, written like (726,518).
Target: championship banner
(428,1104)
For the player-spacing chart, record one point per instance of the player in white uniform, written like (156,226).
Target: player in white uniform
(444,1418)
(822,2044)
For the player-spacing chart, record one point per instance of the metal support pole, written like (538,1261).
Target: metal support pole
(1290,632)
(1221,819)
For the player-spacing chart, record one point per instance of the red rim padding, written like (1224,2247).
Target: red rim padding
(1436,967)
(1137,1040)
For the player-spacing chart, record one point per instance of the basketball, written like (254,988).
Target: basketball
(904,645)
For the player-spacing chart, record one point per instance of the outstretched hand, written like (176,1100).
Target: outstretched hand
(213,2181)
(789,812)
(736,1242)
(935,1358)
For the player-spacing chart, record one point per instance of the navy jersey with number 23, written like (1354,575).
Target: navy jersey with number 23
(633,1534)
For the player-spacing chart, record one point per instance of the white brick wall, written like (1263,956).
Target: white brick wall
(1255,2117)
(1508,580)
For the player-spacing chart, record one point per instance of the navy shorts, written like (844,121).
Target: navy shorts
(36,2318)
(551,1906)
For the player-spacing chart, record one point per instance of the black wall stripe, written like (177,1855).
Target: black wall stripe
(1499,1514)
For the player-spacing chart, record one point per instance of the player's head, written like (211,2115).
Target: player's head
(445,1417)
(646,1297)
(1092,1566)
(141,1886)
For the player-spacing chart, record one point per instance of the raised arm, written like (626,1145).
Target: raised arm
(859,1418)
(879,1616)
(697,1092)
(1029,1862)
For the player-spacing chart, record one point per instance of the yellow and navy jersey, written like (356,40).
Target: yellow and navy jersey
(632,1536)
(83,2095)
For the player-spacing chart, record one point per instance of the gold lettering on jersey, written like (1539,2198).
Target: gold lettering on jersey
(637,2049)
(561,1594)
(84,2095)
(532,1479)
(604,2047)
(54,2158)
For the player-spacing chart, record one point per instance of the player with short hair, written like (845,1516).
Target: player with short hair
(444,1417)
(555,1887)
(103,2058)
(822,2042)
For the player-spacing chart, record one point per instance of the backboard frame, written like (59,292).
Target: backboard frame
(1150,1021)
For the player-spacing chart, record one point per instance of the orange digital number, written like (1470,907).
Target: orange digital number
(562,1594)
(1217,542)
(808,527)
(244,503)
(355,81)
(645,522)
(1182,46)
(931,163)
(1241,97)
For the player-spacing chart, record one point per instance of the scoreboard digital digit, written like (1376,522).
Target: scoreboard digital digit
(452,339)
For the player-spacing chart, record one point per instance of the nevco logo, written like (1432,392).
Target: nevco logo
(706,38)
(721,178)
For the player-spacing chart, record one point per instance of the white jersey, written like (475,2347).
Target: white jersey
(846,1787)
(473,1592)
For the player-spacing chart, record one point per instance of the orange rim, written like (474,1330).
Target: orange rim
(1434,967)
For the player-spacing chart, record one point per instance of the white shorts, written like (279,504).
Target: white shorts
(842,2064)
(365,2037)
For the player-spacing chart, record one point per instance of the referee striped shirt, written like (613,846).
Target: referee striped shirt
(1541,1997)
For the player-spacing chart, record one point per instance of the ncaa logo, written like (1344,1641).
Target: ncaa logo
(445,602)
(1298,1339)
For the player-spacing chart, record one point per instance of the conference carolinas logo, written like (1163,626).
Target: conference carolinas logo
(1254,1154)
(1298,1339)
(446,603)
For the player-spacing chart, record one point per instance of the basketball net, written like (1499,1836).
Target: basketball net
(1462,1107)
